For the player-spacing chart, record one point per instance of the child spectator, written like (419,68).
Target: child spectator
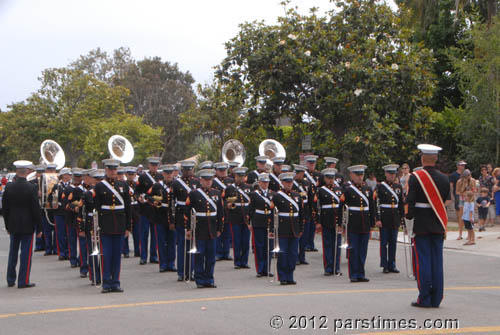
(468,217)
(483,204)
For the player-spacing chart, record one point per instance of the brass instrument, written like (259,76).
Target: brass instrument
(271,148)
(52,153)
(120,148)
(233,151)
(188,254)
(276,244)
(231,201)
(157,200)
(96,248)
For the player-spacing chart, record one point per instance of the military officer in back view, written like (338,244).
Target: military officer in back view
(21,212)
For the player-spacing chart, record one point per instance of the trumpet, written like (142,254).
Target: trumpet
(231,202)
(188,254)
(157,201)
(96,248)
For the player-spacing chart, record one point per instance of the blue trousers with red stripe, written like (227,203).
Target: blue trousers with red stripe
(241,244)
(429,262)
(388,240)
(62,237)
(262,254)
(304,242)
(224,242)
(331,240)
(49,235)
(358,248)
(26,244)
(84,254)
(204,261)
(287,258)
(72,238)
(147,227)
(111,259)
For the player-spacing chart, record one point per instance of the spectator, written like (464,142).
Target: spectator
(468,216)
(490,168)
(454,198)
(487,181)
(464,184)
(496,191)
(403,180)
(483,205)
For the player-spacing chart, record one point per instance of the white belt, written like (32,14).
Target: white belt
(358,209)
(112,207)
(288,214)
(330,206)
(422,205)
(260,211)
(239,204)
(207,214)
(59,204)
(182,203)
(304,201)
(134,203)
(389,205)
(90,214)
(163,204)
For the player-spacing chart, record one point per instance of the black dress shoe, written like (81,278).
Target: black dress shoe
(328,273)
(314,249)
(386,270)
(117,289)
(394,270)
(27,285)
(211,285)
(74,265)
(283,282)
(153,261)
(338,274)
(47,254)
(270,274)
(200,286)
(163,270)
(228,258)
(237,267)
(126,256)
(61,258)
(364,280)
(292,282)
(11,284)
(142,262)
(180,278)
(106,290)
(83,275)
(171,270)
(245,267)
(416,304)
(304,262)
(354,280)
(259,275)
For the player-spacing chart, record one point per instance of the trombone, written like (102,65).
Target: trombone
(407,245)
(96,249)
(276,245)
(188,254)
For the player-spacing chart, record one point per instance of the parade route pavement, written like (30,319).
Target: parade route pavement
(155,303)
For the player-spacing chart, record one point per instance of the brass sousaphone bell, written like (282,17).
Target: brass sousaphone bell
(234,151)
(120,148)
(271,148)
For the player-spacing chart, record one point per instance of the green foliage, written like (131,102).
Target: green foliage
(479,128)
(74,109)
(351,78)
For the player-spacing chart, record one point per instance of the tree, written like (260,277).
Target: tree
(71,107)
(352,79)
(479,127)
(159,91)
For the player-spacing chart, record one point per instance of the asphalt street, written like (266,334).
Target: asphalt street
(155,303)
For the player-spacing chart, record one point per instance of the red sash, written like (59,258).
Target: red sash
(433,196)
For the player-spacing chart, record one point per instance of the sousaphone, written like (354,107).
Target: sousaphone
(120,148)
(234,151)
(271,148)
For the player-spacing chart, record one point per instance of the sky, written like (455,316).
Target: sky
(40,34)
